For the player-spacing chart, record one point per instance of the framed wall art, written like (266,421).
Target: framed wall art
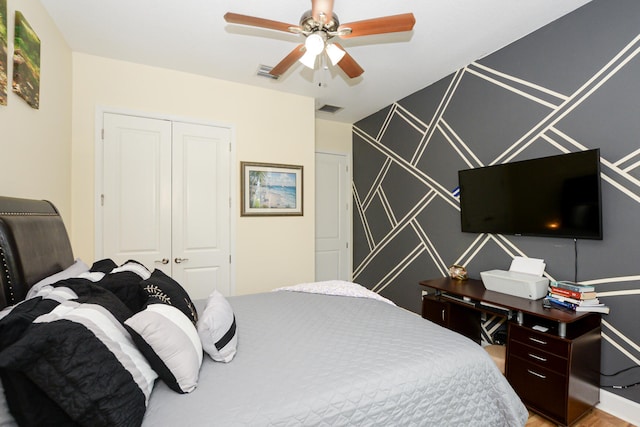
(26,62)
(3,53)
(270,189)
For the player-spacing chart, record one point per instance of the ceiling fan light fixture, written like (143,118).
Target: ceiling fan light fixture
(319,25)
(308,60)
(315,43)
(334,53)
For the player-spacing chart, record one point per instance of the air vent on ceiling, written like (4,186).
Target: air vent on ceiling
(326,108)
(263,71)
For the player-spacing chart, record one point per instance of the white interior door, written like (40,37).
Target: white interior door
(332,217)
(201,217)
(166,199)
(137,190)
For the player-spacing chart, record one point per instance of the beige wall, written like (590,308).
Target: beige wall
(333,137)
(35,145)
(269,126)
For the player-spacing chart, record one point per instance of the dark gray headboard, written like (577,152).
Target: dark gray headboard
(33,245)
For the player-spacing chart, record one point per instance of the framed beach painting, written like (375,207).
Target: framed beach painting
(270,189)
(26,62)
(3,53)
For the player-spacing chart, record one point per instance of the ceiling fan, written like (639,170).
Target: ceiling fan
(319,26)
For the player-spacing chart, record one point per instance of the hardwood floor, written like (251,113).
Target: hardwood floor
(595,418)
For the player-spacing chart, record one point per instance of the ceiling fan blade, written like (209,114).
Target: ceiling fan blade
(349,65)
(235,18)
(288,61)
(322,6)
(386,24)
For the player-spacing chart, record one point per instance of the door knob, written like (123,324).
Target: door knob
(180,260)
(162,261)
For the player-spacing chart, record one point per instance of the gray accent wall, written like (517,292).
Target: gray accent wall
(570,86)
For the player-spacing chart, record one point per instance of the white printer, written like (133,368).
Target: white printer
(524,279)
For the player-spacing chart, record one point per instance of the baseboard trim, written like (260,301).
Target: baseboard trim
(620,407)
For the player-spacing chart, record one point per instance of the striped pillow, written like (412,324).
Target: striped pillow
(217,329)
(164,289)
(81,356)
(170,342)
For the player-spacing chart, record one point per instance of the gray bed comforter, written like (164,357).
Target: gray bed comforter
(308,359)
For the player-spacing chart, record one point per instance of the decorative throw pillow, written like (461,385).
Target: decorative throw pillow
(217,328)
(161,288)
(133,266)
(74,270)
(170,342)
(103,266)
(124,282)
(79,355)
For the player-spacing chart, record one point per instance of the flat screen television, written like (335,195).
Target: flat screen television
(556,196)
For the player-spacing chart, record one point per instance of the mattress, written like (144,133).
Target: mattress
(326,360)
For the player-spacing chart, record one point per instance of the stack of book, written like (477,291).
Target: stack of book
(576,297)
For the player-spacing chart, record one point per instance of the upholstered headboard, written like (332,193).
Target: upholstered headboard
(33,245)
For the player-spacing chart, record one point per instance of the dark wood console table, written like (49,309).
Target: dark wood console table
(553,356)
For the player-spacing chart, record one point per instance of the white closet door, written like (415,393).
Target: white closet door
(201,213)
(167,199)
(137,190)
(332,224)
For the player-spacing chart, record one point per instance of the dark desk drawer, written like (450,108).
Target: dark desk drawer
(541,389)
(541,358)
(435,310)
(539,340)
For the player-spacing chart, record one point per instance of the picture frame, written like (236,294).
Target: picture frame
(271,189)
(26,62)
(4,47)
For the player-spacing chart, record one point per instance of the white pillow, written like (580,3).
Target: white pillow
(217,328)
(74,270)
(170,343)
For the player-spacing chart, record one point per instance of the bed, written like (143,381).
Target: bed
(73,351)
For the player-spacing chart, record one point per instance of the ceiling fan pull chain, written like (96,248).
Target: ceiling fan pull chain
(324,69)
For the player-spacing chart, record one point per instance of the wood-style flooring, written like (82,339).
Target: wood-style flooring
(595,418)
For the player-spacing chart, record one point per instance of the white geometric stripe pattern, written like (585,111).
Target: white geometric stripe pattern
(617,172)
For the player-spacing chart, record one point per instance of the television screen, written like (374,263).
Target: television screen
(557,196)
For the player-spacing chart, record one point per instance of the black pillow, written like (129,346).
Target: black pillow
(162,289)
(103,266)
(82,359)
(123,281)
(20,317)
(125,286)
(21,393)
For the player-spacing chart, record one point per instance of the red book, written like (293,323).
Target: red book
(572,294)
(592,301)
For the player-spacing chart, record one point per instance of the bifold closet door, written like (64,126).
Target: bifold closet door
(166,199)
(201,212)
(136,197)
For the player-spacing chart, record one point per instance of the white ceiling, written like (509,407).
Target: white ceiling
(192,36)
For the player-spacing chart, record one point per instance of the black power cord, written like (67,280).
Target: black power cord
(617,387)
(575,264)
(620,371)
(620,386)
